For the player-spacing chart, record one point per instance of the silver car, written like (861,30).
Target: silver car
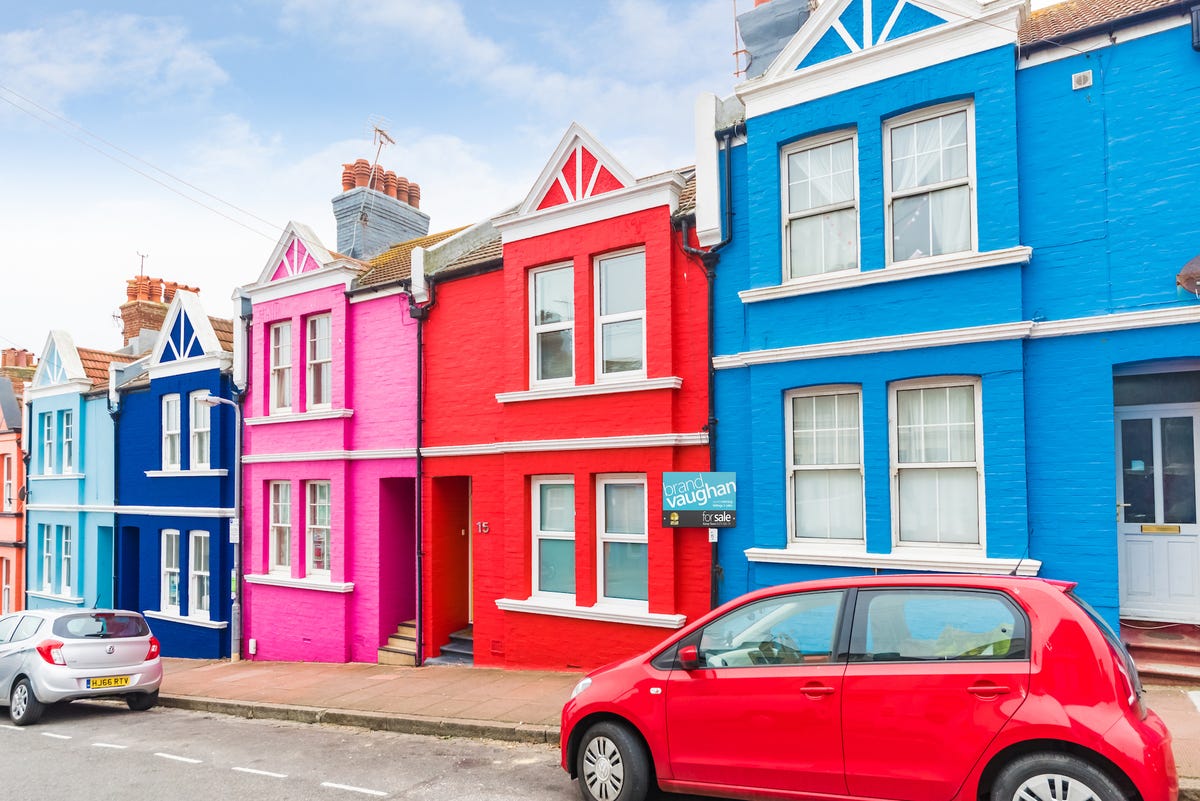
(52,655)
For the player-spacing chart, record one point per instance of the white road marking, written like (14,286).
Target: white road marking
(109,745)
(179,758)
(363,790)
(262,773)
(56,736)
(14,728)
(1195,696)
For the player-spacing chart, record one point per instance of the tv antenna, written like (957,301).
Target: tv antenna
(142,264)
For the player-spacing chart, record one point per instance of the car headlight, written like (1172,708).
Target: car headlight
(581,686)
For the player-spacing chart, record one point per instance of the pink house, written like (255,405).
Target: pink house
(329,540)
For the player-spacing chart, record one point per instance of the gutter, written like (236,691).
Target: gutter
(1110,28)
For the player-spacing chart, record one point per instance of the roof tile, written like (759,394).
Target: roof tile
(395,263)
(1072,16)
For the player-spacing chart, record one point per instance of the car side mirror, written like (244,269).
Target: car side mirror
(689,657)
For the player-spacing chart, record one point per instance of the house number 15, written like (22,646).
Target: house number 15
(482,527)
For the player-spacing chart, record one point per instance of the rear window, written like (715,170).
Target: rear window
(101,625)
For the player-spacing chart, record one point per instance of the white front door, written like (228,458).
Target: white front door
(1159,537)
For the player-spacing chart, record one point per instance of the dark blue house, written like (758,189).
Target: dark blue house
(176,469)
(947,329)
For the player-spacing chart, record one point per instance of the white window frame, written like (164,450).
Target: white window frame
(200,425)
(890,195)
(171,434)
(313,530)
(6,589)
(68,440)
(603,536)
(66,559)
(791,469)
(790,217)
(198,572)
(48,443)
(169,570)
(279,500)
(10,479)
(546,328)
(279,387)
(48,553)
(538,534)
(896,467)
(601,320)
(318,370)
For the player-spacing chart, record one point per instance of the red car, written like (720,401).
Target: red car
(921,688)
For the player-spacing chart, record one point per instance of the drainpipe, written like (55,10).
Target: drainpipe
(420,313)
(708,263)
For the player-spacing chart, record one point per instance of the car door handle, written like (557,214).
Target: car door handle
(987,689)
(816,690)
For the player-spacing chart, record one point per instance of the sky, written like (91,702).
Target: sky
(179,138)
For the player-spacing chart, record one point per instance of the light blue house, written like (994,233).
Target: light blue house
(69,504)
(947,333)
(176,469)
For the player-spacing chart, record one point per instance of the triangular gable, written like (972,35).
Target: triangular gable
(60,363)
(579,169)
(186,332)
(842,27)
(298,251)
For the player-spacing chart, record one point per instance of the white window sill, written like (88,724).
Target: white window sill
(49,596)
(607,387)
(301,583)
(933,559)
(175,617)
(56,476)
(207,472)
(608,613)
(300,417)
(913,268)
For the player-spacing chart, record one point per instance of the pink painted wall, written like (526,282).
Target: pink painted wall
(373,531)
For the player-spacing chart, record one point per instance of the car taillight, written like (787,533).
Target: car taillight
(51,651)
(153,652)
(1131,686)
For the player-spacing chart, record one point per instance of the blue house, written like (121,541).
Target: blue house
(176,467)
(69,508)
(947,332)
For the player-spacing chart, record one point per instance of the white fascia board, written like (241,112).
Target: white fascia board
(342,274)
(917,51)
(662,191)
(210,361)
(69,388)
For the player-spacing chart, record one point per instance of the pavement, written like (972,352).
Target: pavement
(487,703)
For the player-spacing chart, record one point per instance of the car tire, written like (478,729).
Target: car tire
(23,706)
(140,702)
(612,764)
(1053,776)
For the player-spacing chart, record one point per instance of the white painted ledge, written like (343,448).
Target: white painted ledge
(586,390)
(301,583)
(201,622)
(608,613)
(916,559)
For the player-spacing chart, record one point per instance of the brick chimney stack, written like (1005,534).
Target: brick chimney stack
(16,357)
(145,307)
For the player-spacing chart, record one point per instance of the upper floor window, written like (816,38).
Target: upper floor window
(47,538)
(552,325)
(170,432)
(68,441)
(621,315)
(319,361)
(554,535)
(10,480)
(930,182)
(821,202)
(621,526)
(66,563)
(280,545)
(198,572)
(200,419)
(281,367)
(825,470)
(317,529)
(48,443)
(936,467)
(169,587)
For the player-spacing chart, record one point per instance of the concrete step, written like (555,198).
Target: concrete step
(395,656)
(1168,673)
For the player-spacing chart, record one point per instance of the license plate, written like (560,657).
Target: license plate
(107,681)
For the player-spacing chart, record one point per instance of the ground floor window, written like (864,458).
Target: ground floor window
(621,537)
(318,559)
(170,600)
(825,464)
(553,516)
(198,574)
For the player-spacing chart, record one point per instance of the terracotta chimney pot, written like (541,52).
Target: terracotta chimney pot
(131,289)
(143,288)
(389,183)
(169,289)
(156,289)
(362,172)
(347,177)
(414,195)
(402,189)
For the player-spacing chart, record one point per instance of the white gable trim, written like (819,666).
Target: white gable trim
(61,343)
(995,26)
(575,137)
(185,304)
(662,191)
(307,237)
(340,274)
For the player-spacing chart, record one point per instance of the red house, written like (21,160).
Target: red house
(565,360)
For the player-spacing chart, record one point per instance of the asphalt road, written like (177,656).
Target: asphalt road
(103,752)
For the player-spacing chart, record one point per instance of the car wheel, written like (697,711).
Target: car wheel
(23,706)
(140,702)
(1053,777)
(612,764)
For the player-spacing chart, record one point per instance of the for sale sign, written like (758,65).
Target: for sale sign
(699,500)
